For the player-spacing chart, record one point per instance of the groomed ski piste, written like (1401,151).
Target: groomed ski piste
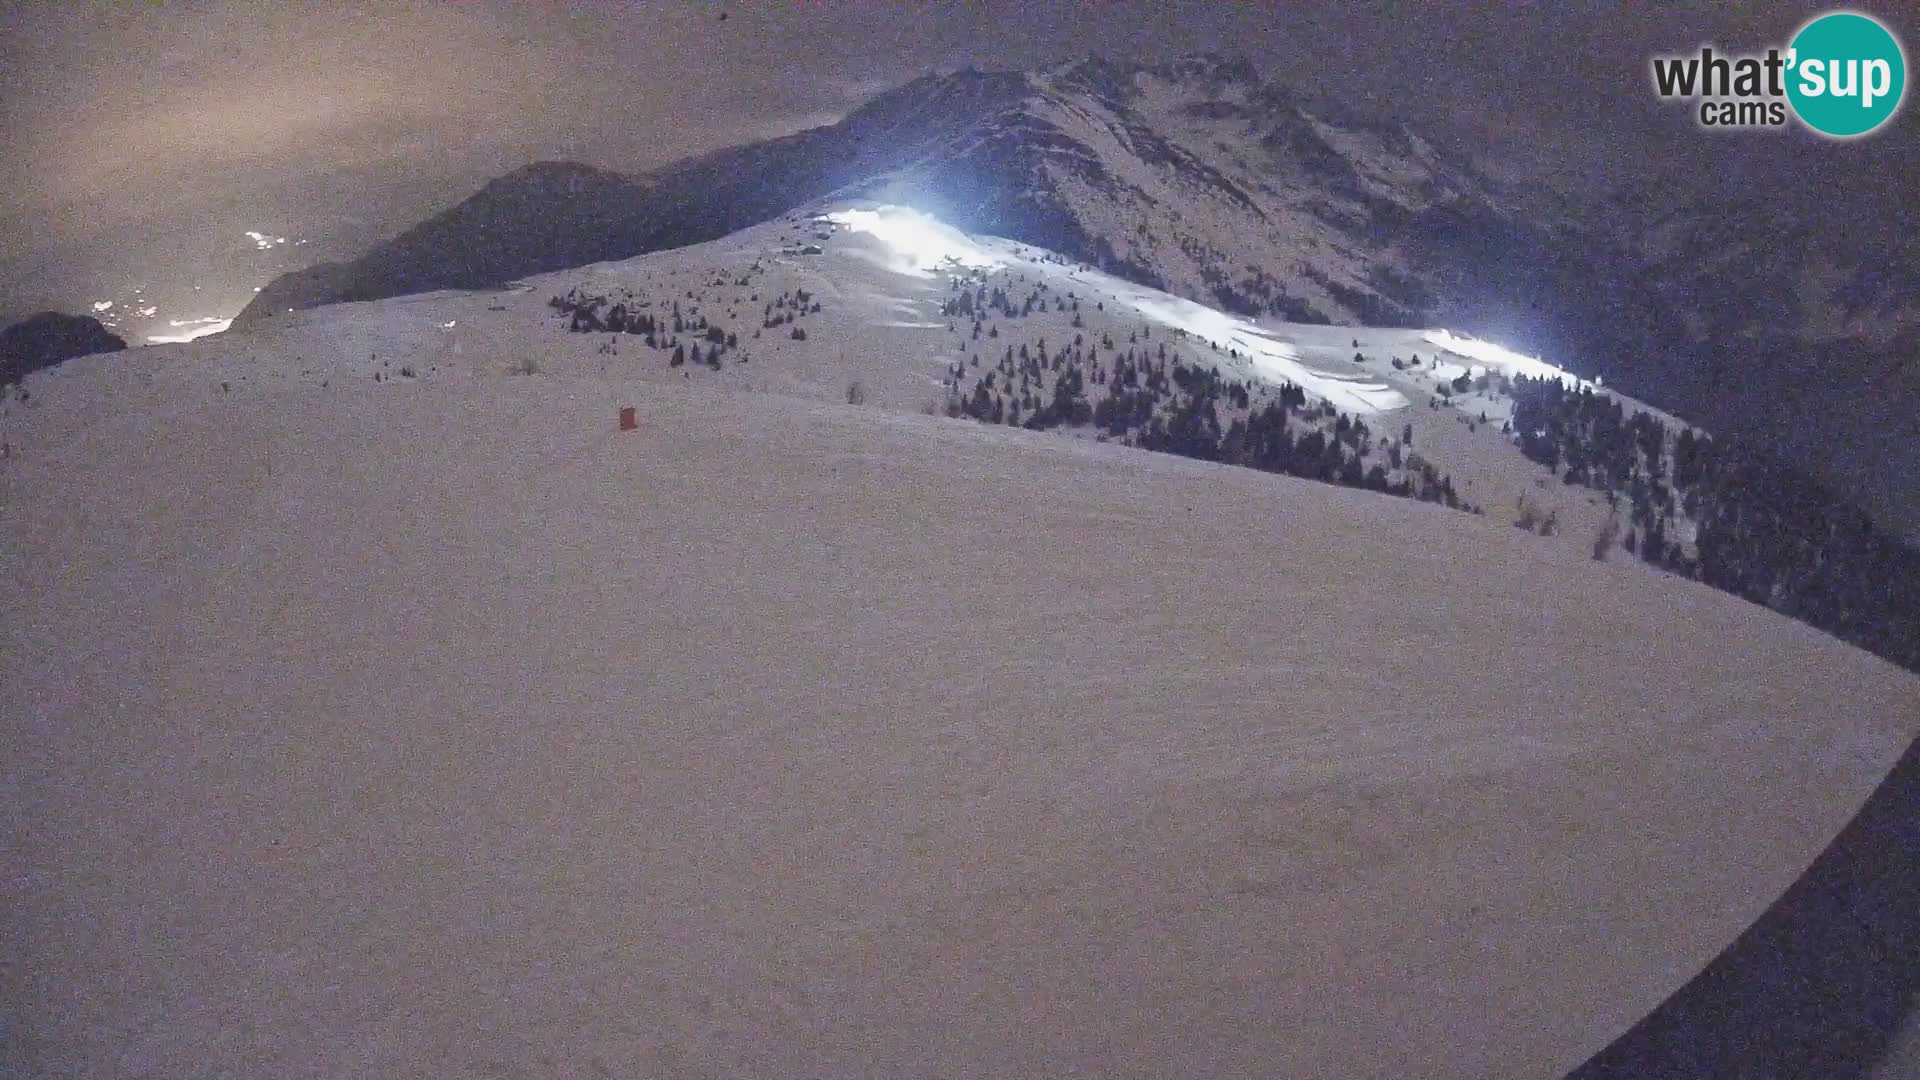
(375,706)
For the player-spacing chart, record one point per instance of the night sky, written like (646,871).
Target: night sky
(145,141)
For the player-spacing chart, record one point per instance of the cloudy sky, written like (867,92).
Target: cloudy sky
(144,140)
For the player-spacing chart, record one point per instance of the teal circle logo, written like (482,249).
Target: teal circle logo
(1846,74)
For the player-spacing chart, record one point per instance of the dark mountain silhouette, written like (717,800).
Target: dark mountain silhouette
(43,340)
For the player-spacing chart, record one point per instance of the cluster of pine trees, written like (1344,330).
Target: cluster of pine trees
(788,308)
(704,343)
(1760,528)
(1590,440)
(974,300)
(1150,398)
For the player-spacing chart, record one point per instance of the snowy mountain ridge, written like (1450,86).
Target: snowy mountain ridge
(1199,177)
(1191,175)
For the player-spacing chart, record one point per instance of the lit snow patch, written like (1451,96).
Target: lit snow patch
(148,312)
(262,241)
(1272,359)
(199,328)
(1505,361)
(103,305)
(915,242)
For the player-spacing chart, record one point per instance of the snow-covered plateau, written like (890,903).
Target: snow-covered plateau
(375,706)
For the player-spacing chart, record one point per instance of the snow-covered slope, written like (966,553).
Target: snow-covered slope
(881,277)
(926,318)
(372,709)
(1199,177)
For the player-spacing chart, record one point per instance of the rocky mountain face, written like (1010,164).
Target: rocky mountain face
(46,339)
(1198,177)
(1797,325)
(1193,175)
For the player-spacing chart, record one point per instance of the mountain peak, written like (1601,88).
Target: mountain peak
(1098,75)
(1212,72)
(1183,173)
(1209,68)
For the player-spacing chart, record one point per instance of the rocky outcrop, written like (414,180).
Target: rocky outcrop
(43,340)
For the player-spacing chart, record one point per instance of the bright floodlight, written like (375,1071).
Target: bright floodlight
(200,328)
(1503,360)
(916,242)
